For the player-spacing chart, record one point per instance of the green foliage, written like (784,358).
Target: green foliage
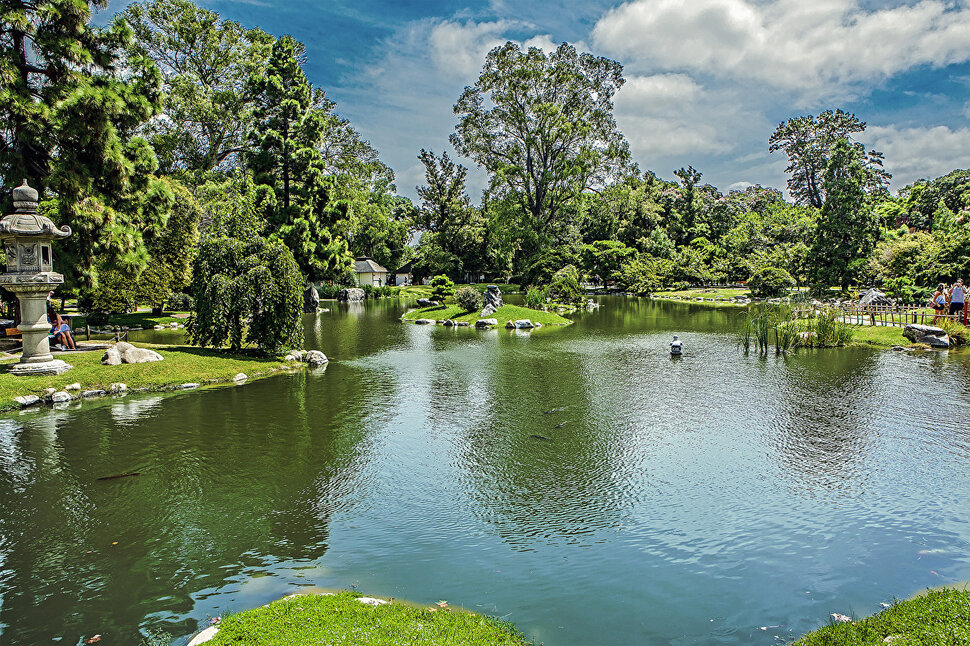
(770,282)
(544,265)
(645,275)
(535,298)
(847,230)
(959,334)
(246,292)
(181,302)
(114,292)
(810,144)
(904,291)
(605,257)
(542,127)
(70,103)
(469,299)
(564,286)
(170,267)
(296,192)
(205,62)
(441,288)
(826,330)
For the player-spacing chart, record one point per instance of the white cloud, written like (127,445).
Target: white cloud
(817,47)
(458,49)
(919,153)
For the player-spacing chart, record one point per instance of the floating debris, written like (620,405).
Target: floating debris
(843,618)
(120,475)
(541,437)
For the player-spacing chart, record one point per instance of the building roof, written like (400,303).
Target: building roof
(405,268)
(365,265)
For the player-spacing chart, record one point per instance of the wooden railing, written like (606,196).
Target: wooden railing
(886,315)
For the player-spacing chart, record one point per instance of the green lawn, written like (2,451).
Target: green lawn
(341,620)
(877,335)
(709,292)
(182,364)
(504,314)
(143,319)
(937,618)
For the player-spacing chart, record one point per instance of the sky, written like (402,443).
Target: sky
(707,81)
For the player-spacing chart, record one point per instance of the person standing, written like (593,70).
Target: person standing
(938,302)
(958,297)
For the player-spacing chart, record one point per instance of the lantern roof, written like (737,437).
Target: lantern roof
(25,221)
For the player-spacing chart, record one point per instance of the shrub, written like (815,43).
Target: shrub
(247,291)
(368,291)
(469,299)
(114,294)
(959,334)
(770,282)
(181,302)
(535,298)
(441,288)
(328,290)
(564,286)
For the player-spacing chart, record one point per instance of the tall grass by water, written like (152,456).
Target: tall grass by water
(765,324)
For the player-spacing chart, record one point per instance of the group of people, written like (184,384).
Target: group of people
(950,301)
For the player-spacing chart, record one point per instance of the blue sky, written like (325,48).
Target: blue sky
(707,80)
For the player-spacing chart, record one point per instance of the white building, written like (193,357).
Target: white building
(370,273)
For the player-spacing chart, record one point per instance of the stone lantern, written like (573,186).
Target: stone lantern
(30,275)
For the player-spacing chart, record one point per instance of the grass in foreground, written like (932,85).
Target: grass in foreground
(340,619)
(934,619)
(504,314)
(182,364)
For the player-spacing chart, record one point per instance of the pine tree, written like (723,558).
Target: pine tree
(291,122)
(69,107)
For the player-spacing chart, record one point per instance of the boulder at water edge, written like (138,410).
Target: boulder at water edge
(351,295)
(141,355)
(311,300)
(315,358)
(425,302)
(493,297)
(425,322)
(486,322)
(932,336)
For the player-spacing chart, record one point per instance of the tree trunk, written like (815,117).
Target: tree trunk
(157,310)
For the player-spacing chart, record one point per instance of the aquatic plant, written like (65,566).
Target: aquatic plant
(959,334)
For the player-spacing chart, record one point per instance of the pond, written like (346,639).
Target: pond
(577,481)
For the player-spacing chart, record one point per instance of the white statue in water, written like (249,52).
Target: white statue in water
(676,346)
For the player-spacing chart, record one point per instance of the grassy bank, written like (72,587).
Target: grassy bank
(707,292)
(504,314)
(182,364)
(424,291)
(938,617)
(341,619)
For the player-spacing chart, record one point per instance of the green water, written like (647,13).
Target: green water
(712,499)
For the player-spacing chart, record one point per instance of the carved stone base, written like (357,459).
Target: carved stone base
(55,367)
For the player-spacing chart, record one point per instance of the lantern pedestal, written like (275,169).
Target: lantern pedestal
(26,238)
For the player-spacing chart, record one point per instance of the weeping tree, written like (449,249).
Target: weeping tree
(247,292)
(71,102)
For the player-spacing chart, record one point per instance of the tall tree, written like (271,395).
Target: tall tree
(205,62)
(70,104)
(809,143)
(542,126)
(291,121)
(847,230)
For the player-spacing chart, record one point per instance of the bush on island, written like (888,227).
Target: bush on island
(441,288)
(469,299)
(770,282)
(247,291)
(535,298)
(564,286)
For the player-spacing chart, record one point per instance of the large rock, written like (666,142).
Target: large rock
(60,397)
(141,355)
(111,357)
(875,297)
(425,322)
(524,324)
(315,358)
(311,300)
(351,295)
(425,302)
(27,400)
(493,300)
(123,347)
(486,322)
(928,334)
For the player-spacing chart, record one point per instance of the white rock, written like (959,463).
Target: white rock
(111,357)
(159,327)
(141,355)
(74,386)
(189,386)
(425,322)
(117,388)
(60,397)
(204,636)
(842,618)
(123,347)
(371,601)
(242,376)
(315,358)
(486,322)
(92,393)
(289,357)
(299,355)
(27,400)
(174,324)
(524,324)
(49,392)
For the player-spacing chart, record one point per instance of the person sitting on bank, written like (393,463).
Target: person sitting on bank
(958,297)
(938,302)
(60,329)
